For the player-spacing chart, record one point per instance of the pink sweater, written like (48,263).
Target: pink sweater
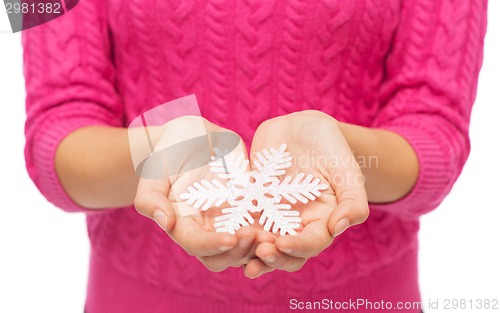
(407,66)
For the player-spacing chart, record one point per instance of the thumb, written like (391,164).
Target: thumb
(151,201)
(348,212)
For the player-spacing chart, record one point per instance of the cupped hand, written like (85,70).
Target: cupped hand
(180,159)
(318,147)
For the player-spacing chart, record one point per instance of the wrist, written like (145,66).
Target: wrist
(387,160)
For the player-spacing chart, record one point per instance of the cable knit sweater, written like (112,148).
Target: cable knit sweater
(407,66)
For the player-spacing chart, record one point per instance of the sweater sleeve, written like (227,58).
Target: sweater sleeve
(69,84)
(427,96)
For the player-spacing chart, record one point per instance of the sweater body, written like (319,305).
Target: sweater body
(406,66)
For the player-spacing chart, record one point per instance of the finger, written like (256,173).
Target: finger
(274,258)
(151,201)
(198,242)
(313,239)
(248,250)
(349,211)
(256,268)
(237,256)
(265,236)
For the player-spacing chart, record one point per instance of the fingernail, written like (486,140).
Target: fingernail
(286,250)
(160,218)
(224,248)
(260,274)
(270,259)
(244,243)
(341,226)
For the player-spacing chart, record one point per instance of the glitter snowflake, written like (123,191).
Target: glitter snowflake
(258,191)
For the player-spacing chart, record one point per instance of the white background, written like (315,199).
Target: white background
(44,252)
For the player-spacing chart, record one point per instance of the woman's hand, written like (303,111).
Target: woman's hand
(318,148)
(158,195)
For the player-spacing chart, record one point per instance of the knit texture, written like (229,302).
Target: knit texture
(406,66)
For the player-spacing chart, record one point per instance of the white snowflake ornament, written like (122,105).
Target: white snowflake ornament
(258,191)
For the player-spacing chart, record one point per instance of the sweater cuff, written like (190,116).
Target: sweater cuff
(435,177)
(41,162)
